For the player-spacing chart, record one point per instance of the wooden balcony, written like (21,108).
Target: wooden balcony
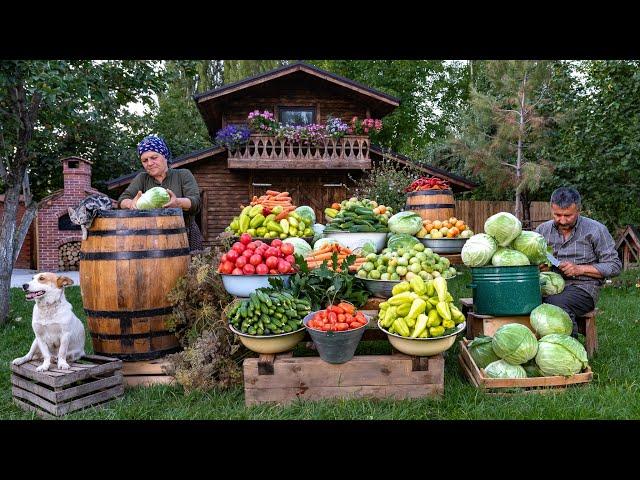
(266,152)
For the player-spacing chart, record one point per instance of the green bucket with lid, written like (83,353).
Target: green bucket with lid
(503,291)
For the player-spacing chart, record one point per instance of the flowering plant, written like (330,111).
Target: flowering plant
(262,122)
(307,134)
(359,127)
(232,136)
(336,128)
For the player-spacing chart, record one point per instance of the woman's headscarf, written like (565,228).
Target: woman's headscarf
(152,143)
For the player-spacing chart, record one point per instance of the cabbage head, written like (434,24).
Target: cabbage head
(560,355)
(504,369)
(401,240)
(478,250)
(533,245)
(307,214)
(318,229)
(508,257)
(481,351)
(515,343)
(546,319)
(552,283)
(405,222)
(504,227)
(531,367)
(155,197)
(300,246)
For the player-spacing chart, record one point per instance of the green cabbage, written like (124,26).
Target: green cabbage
(318,229)
(533,245)
(307,214)
(504,369)
(515,343)
(481,351)
(532,369)
(405,222)
(401,240)
(300,246)
(552,283)
(560,355)
(508,257)
(478,250)
(155,197)
(546,319)
(504,227)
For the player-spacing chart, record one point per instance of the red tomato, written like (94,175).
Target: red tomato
(241,262)
(238,247)
(247,253)
(260,251)
(262,269)
(272,262)
(223,258)
(355,325)
(333,317)
(233,255)
(342,317)
(335,308)
(340,326)
(255,259)
(271,252)
(252,245)
(326,327)
(236,271)
(227,267)
(348,317)
(287,248)
(276,242)
(245,238)
(249,269)
(273,272)
(291,259)
(283,266)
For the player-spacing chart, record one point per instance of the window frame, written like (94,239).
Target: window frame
(295,108)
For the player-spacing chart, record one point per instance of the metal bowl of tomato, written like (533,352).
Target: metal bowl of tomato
(245,285)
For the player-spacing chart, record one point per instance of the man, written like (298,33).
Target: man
(586,252)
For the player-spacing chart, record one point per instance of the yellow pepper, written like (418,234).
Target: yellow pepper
(411,322)
(400,288)
(417,307)
(418,285)
(421,325)
(456,314)
(430,289)
(404,309)
(401,327)
(443,310)
(433,319)
(424,334)
(448,324)
(440,284)
(389,317)
(402,298)
(436,331)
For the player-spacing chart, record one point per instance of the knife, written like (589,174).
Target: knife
(554,261)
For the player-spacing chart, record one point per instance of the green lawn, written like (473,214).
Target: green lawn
(613,394)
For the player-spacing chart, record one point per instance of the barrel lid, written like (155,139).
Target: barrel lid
(126,213)
(430,192)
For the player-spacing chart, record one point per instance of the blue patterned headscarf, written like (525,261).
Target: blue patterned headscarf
(152,143)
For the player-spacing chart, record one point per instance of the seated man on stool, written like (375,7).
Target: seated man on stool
(586,252)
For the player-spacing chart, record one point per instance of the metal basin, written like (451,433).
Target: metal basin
(423,347)
(444,245)
(380,288)
(270,343)
(245,285)
(356,240)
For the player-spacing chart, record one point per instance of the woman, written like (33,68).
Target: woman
(180,184)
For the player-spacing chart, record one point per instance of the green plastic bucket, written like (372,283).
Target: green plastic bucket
(502,291)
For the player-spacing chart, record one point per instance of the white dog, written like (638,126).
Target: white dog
(59,333)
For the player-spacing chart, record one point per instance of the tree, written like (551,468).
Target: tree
(504,133)
(52,109)
(236,70)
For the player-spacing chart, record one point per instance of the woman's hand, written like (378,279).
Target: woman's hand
(173,201)
(131,203)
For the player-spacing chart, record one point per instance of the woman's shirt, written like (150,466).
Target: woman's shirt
(179,180)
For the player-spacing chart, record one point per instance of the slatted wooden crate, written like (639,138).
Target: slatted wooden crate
(91,381)
(487,324)
(283,378)
(147,373)
(524,385)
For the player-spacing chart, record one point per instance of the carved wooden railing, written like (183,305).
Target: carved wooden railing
(264,147)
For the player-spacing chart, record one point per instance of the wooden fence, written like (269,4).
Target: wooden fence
(476,212)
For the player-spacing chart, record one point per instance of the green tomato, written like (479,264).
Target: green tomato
(391,269)
(394,276)
(425,276)
(367,266)
(385,276)
(414,260)
(402,271)
(371,257)
(428,251)
(409,276)
(435,274)
(400,251)
(415,268)
(421,256)
(424,266)
(393,262)
(385,249)
(403,262)
(362,273)
(418,247)
(375,274)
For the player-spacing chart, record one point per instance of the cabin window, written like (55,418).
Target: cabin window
(297,115)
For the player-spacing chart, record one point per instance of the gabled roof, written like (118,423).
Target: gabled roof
(209,102)
(457,182)
(175,163)
(631,232)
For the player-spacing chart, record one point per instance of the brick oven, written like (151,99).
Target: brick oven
(58,239)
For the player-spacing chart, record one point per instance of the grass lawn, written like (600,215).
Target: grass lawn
(613,394)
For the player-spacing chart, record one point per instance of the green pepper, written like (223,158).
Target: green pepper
(440,284)
(434,301)
(255,210)
(436,331)
(401,327)
(256,221)
(235,224)
(401,288)
(270,218)
(404,309)
(430,289)
(273,227)
(424,334)
(276,210)
(421,325)
(448,324)
(443,310)
(449,298)
(402,298)
(418,285)
(389,317)
(456,314)
(246,210)
(417,307)
(411,322)
(261,231)
(433,319)
(284,224)
(244,222)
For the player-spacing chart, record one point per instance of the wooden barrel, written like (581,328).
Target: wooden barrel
(431,204)
(129,262)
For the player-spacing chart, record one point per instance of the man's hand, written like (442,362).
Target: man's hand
(173,200)
(543,267)
(570,269)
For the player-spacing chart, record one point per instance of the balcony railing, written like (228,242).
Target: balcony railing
(263,151)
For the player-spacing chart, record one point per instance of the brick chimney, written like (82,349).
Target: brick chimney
(77,175)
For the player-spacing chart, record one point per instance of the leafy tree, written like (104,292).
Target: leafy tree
(53,109)
(504,133)
(236,70)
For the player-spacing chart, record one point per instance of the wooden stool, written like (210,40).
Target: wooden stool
(586,325)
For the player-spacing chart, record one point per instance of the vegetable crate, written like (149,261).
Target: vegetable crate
(282,378)
(91,381)
(487,324)
(506,385)
(147,373)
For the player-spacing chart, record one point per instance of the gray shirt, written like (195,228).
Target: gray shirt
(589,243)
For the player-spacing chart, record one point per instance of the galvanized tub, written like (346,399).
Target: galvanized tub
(335,347)
(444,245)
(502,291)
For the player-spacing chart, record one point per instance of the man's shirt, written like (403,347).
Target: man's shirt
(589,243)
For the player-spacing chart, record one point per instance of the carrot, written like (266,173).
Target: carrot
(282,215)
(326,248)
(272,192)
(321,256)
(282,195)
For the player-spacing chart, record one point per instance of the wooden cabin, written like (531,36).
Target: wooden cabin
(315,176)
(628,247)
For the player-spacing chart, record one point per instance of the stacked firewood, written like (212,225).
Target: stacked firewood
(69,256)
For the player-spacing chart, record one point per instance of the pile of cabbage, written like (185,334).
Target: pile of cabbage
(515,352)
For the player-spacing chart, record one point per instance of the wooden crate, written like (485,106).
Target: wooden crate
(529,385)
(283,378)
(147,373)
(90,382)
(487,324)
